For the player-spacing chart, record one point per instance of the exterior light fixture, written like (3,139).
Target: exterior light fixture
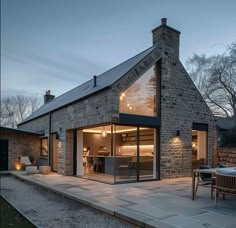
(57,136)
(177,132)
(18,165)
(104,132)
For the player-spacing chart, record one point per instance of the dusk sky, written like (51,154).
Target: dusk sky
(59,44)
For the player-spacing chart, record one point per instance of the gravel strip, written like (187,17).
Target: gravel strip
(47,209)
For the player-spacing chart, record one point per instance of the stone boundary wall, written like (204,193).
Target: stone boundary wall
(227,155)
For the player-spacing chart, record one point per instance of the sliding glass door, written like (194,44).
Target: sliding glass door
(118,153)
(135,157)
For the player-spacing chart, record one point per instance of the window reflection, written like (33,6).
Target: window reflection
(140,97)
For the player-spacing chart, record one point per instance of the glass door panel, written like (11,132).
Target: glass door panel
(147,153)
(125,153)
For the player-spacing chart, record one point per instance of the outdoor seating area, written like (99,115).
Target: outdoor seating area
(221,180)
(24,163)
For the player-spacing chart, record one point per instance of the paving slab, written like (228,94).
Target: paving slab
(179,220)
(133,217)
(158,224)
(153,211)
(112,200)
(216,219)
(201,225)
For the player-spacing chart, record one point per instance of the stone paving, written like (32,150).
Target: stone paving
(165,203)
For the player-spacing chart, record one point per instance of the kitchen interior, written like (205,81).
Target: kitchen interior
(110,153)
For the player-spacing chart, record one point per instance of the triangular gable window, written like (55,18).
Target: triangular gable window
(140,97)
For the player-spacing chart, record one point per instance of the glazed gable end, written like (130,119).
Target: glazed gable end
(133,75)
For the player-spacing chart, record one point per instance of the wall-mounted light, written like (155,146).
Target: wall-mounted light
(57,136)
(177,132)
(104,132)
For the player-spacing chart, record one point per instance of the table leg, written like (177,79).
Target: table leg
(193,185)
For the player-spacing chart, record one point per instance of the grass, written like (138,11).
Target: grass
(10,217)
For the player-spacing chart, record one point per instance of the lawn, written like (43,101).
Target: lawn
(10,217)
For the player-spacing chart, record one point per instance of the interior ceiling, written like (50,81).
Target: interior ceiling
(119,129)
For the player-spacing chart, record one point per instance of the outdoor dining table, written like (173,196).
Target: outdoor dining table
(196,173)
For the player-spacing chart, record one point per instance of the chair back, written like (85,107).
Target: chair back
(222,166)
(226,182)
(205,176)
(25,160)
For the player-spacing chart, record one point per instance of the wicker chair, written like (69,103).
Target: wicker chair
(225,185)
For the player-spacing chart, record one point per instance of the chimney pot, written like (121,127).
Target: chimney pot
(164,21)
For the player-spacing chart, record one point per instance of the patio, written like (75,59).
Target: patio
(165,203)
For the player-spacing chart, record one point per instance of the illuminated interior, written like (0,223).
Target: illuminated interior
(112,152)
(199,148)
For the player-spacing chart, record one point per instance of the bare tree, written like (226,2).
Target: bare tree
(215,77)
(14,109)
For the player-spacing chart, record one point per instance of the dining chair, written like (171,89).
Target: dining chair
(205,180)
(225,183)
(89,164)
(98,164)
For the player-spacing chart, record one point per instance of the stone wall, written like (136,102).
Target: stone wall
(38,124)
(21,144)
(181,106)
(227,156)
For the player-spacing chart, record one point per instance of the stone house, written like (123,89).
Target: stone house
(144,119)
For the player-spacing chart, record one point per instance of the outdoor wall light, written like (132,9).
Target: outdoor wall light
(177,132)
(57,136)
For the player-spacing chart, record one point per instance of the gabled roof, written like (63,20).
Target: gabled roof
(104,80)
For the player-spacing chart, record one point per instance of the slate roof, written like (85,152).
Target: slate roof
(104,80)
(21,131)
(225,123)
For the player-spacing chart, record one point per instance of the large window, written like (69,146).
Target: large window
(140,97)
(116,153)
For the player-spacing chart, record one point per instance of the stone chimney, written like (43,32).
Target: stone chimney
(166,35)
(48,97)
